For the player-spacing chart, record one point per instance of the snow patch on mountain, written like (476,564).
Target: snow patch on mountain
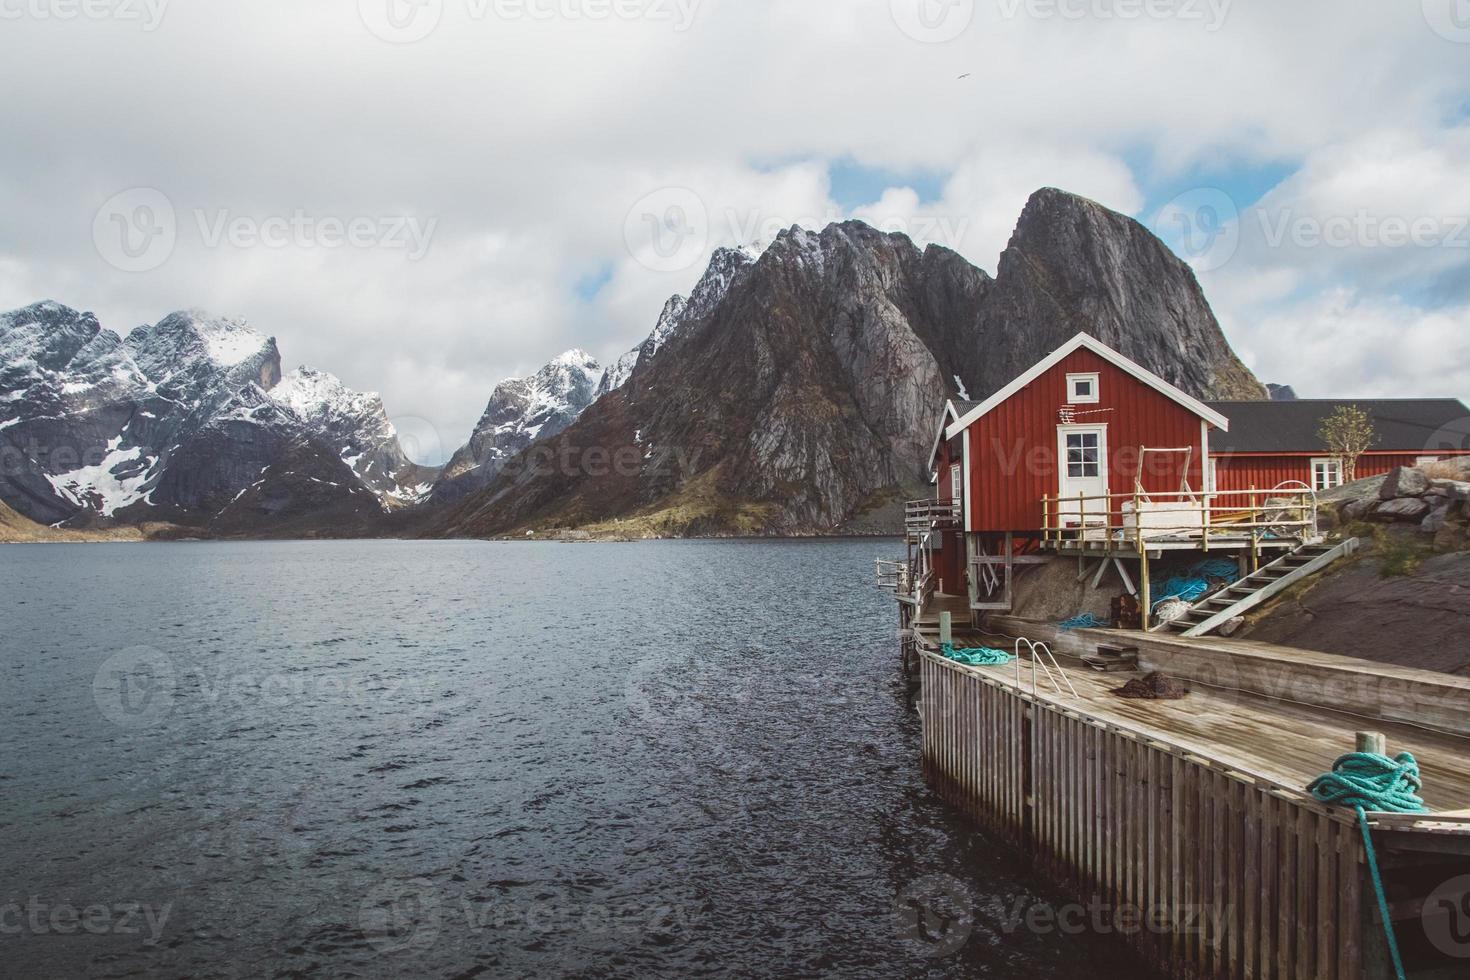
(228,340)
(521,411)
(122,478)
(356,426)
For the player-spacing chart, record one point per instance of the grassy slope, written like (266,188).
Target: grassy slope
(15,528)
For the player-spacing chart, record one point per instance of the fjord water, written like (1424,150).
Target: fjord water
(500,759)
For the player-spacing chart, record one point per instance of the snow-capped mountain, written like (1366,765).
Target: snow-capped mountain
(183,422)
(356,425)
(726,267)
(521,411)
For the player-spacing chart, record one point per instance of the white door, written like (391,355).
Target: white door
(1083,454)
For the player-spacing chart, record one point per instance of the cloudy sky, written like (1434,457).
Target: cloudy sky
(427,196)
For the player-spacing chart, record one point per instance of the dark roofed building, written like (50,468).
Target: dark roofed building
(1274,442)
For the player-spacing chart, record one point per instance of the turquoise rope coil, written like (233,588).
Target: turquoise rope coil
(1086,621)
(975,656)
(1369,781)
(1194,583)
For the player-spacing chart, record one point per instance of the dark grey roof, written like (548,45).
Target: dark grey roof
(1409,425)
(965,408)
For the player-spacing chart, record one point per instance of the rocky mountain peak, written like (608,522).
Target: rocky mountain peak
(190,347)
(1072,265)
(178,423)
(44,336)
(356,426)
(727,266)
(806,386)
(520,412)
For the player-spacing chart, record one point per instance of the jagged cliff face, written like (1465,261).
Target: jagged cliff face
(1073,266)
(810,385)
(521,411)
(355,424)
(184,421)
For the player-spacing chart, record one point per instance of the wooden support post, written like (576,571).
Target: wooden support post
(1255,533)
(1010,571)
(1204,517)
(1375,742)
(1146,601)
(1123,574)
(1145,593)
(946,628)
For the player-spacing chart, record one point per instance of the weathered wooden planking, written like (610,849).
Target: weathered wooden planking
(1250,880)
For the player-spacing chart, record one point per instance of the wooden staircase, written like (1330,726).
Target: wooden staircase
(1214,611)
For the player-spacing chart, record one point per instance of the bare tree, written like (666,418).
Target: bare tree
(1348,433)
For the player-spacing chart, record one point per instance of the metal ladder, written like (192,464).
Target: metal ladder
(1047,663)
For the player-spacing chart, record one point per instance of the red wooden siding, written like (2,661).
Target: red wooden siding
(1261,471)
(1014,447)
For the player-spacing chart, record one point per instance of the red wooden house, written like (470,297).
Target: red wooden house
(1089,453)
(1273,442)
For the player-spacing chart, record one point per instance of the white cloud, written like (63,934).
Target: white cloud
(530,140)
(1340,343)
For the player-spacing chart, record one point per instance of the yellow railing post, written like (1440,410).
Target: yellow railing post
(1204,516)
(1255,532)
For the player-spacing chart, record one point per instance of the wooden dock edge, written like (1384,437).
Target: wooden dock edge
(1224,873)
(1385,692)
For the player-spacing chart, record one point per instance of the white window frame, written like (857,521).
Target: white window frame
(1327,461)
(956,483)
(1426,460)
(1093,379)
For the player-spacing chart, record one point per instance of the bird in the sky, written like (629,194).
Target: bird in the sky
(966,74)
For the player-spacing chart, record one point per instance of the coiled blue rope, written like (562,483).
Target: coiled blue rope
(1369,781)
(975,656)
(1086,621)
(1194,583)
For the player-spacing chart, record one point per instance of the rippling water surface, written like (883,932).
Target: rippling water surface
(465,759)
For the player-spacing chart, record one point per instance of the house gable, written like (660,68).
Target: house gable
(1084,342)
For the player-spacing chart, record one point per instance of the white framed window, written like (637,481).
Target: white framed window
(956,483)
(1082,389)
(1426,460)
(1084,457)
(1326,472)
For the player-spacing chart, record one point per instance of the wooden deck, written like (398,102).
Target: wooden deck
(1199,805)
(1273,740)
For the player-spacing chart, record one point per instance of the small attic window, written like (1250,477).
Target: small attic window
(1082,389)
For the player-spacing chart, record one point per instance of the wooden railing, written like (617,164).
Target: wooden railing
(1286,511)
(911,578)
(927,514)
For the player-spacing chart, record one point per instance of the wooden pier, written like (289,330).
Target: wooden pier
(1189,817)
